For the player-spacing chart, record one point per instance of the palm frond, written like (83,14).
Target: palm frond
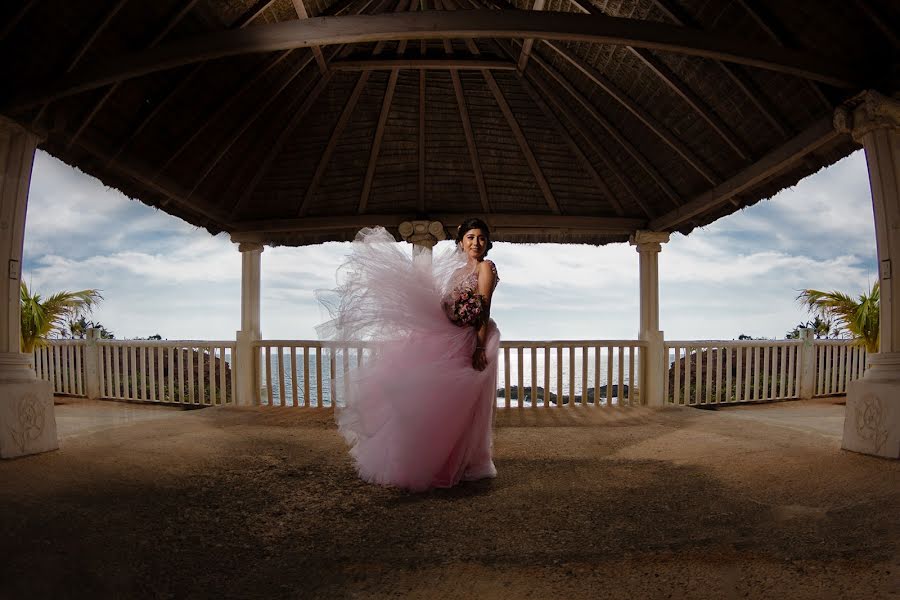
(40,317)
(858,316)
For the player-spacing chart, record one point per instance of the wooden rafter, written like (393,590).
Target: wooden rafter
(300,9)
(245,19)
(780,36)
(573,145)
(433,64)
(447,24)
(223,107)
(170,24)
(766,108)
(379,131)
(108,16)
(11,24)
(623,141)
(879,21)
(523,143)
(529,42)
(341,124)
(169,189)
(562,107)
(667,76)
(814,137)
(261,110)
(420,197)
(635,109)
(289,127)
(610,225)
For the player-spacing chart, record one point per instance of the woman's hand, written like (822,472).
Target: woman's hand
(479,360)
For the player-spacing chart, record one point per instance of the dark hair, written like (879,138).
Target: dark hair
(470,224)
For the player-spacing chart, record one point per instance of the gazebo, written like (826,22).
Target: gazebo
(293,122)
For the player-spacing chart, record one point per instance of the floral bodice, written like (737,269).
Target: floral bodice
(462,303)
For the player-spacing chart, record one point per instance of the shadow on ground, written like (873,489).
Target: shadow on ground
(630,503)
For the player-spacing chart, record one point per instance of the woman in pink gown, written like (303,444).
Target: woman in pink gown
(417,412)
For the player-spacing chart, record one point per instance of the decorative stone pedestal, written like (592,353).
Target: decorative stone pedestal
(27,422)
(872,417)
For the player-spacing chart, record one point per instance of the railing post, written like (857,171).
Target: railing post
(806,365)
(92,364)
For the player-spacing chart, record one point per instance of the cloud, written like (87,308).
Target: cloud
(738,275)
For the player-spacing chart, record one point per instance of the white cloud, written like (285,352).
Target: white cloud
(738,275)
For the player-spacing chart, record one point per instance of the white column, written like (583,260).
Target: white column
(872,417)
(27,422)
(247,359)
(423,235)
(655,363)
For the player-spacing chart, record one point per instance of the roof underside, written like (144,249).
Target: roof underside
(301,121)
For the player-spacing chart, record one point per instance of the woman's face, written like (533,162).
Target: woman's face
(474,243)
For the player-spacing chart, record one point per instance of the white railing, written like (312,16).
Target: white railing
(196,372)
(719,372)
(569,373)
(298,373)
(531,374)
(838,362)
(61,362)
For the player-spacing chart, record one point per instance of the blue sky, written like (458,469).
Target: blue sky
(739,275)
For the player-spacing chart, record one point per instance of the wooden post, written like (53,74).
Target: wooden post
(653,369)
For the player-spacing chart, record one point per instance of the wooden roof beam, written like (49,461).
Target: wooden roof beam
(432,64)
(242,21)
(879,21)
(573,145)
(14,21)
(341,124)
(667,76)
(765,107)
(780,36)
(608,225)
(814,137)
(300,9)
(592,111)
(297,115)
(529,42)
(563,109)
(649,121)
(320,31)
(523,143)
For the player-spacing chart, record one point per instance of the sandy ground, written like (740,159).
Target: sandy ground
(755,502)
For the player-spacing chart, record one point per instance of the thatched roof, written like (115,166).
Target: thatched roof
(300,121)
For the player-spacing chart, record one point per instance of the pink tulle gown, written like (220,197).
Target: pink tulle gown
(416,414)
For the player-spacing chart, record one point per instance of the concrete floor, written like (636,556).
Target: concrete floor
(742,502)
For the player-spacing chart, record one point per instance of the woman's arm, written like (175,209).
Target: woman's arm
(485,289)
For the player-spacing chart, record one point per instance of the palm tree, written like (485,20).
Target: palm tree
(859,317)
(40,317)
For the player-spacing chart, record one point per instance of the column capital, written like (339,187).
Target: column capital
(648,241)
(867,112)
(250,247)
(422,233)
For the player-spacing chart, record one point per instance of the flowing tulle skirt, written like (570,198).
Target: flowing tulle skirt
(416,414)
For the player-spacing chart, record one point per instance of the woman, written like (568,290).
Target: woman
(417,412)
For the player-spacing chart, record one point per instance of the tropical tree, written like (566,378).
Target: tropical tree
(859,317)
(77,329)
(40,317)
(822,329)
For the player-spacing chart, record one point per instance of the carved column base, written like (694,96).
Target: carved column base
(872,417)
(27,420)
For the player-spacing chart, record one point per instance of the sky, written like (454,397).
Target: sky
(739,275)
